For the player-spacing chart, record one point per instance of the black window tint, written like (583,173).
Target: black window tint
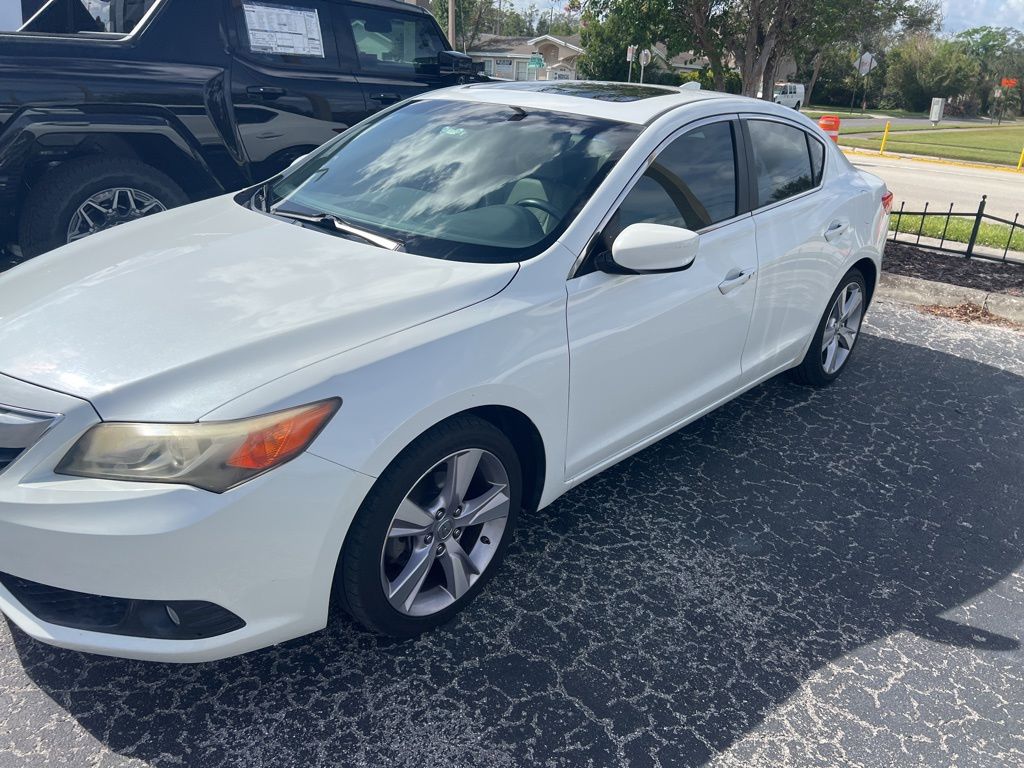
(395,42)
(702,167)
(649,202)
(817,150)
(782,163)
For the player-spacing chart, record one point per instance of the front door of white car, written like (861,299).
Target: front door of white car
(647,351)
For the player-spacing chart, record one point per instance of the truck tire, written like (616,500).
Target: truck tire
(113,190)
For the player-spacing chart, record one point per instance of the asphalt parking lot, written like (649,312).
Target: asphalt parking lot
(803,578)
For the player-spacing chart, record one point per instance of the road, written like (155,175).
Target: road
(803,578)
(919,182)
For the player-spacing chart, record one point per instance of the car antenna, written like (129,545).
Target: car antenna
(520,113)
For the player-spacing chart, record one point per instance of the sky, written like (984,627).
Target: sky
(959,15)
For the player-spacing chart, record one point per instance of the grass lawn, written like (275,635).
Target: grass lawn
(988,145)
(845,130)
(959,231)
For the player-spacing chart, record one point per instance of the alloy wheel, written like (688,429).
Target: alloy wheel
(842,328)
(445,532)
(109,208)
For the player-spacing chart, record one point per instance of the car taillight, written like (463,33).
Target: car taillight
(887,202)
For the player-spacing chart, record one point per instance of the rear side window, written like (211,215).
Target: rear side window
(817,150)
(782,161)
(291,34)
(398,43)
(97,17)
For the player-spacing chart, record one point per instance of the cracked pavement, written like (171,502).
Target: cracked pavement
(802,578)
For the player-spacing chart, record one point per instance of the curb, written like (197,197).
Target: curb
(931,160)
(914,290)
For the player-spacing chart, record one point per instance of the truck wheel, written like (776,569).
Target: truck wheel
(85,196)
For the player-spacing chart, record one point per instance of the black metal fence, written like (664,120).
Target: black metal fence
(967,249)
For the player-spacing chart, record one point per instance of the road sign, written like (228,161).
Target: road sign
(631,53)
(645,57)
(536,62)
(1009,82)
(937,111)
(866,63)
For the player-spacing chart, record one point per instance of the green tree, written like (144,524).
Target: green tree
(999,53)
(924,67)
(606,35)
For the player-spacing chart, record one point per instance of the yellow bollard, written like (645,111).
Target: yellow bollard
(885,137)
(1021,163)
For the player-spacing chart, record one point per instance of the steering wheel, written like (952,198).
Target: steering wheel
(533,202)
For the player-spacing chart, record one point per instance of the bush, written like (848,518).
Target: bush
(733,81)
(923,67)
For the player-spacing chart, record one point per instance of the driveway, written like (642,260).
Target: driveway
(803,578)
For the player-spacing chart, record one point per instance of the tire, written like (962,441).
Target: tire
(817,368)
(797,107)
(367,558)
(56,197)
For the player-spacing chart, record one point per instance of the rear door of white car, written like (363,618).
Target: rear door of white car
(803,228)
(648,351)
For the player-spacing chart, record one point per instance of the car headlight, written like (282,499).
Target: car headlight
(213,455)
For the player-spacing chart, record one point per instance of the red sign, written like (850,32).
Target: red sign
(1009,82)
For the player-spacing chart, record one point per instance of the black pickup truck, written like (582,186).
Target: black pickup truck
(113,109)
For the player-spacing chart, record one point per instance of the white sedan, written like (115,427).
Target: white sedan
(339,388)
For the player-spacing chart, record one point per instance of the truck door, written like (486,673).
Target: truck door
(291,88)
(396,51)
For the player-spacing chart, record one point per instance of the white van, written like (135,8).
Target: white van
(789,95)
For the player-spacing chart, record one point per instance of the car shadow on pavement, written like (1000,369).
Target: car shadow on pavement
(659,612)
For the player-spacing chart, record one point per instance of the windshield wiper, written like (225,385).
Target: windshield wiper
(330,221)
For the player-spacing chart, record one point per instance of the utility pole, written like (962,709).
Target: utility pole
(451,24)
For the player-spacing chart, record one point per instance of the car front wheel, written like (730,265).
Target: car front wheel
(433,529)
(837,333)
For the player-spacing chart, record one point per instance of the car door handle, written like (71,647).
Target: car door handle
(265,91)
(386,98)
(735,279)
(836,230)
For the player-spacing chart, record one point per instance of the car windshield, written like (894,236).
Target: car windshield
(458,180)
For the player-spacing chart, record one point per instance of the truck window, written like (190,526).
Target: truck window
(72,17)
(399,43)
(292,33)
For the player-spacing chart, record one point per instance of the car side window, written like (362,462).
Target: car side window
(782,161)
(396,43)
(817,150)
(294,34)
(703,164)
(691,185)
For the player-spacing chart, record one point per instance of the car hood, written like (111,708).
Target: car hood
(168,318)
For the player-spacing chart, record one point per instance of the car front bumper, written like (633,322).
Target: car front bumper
(266,551)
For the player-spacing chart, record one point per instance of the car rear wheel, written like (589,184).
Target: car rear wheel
(433,529)
(837,333)
(91,194)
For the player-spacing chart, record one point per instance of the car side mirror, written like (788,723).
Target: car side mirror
(454,62)
(653,248)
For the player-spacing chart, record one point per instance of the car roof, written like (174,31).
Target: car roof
(624,102)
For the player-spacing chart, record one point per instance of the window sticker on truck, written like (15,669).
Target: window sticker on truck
(284,29)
